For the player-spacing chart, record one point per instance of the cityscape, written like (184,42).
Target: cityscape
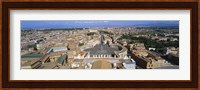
(99,44)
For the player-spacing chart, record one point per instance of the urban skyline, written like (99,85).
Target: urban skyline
(100,44)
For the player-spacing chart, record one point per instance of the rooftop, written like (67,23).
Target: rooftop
(101,64)
(58,48)
(34,55)
(50,65)
(61,59)
(168,67)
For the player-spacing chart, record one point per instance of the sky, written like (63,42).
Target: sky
(92,23)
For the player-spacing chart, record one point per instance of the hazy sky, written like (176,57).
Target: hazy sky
(92,23)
